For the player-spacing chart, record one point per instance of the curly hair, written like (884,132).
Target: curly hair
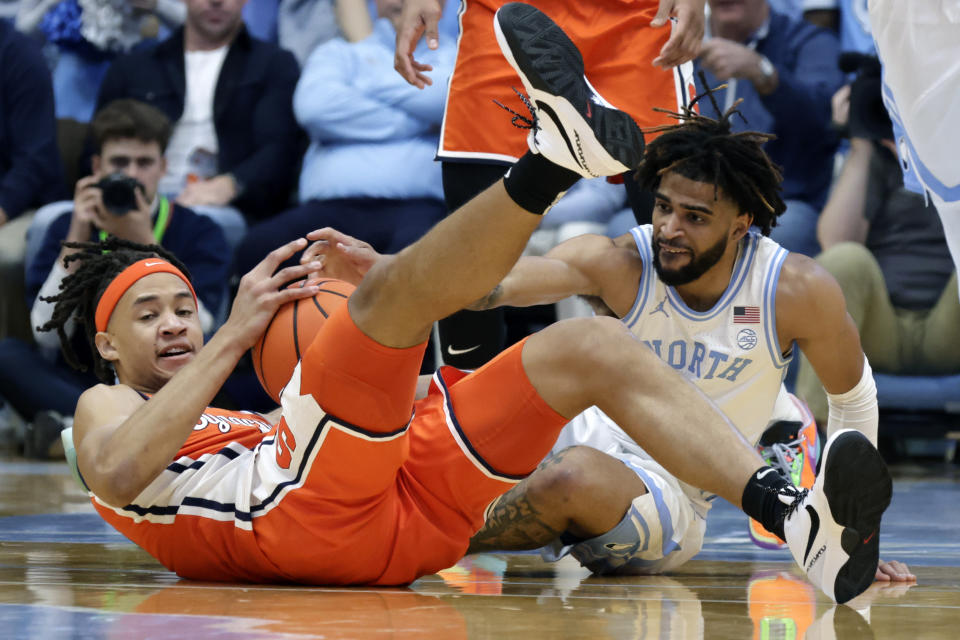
(99,264)
(705,150)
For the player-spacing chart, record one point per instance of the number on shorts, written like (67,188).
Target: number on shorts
(286,444)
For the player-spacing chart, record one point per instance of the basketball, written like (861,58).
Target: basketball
(292,329)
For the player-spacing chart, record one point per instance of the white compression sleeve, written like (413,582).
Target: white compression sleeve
(42,311)
(857,408)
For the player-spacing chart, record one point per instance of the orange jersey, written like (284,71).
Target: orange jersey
(618,47)
(347,488)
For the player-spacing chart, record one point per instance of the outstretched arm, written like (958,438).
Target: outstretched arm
(124,442)
(811,310)
(587,265)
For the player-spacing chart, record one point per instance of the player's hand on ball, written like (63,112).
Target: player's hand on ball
(260,294)
(342,257)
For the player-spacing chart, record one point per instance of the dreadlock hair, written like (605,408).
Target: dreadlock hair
(100,263)
(705,150)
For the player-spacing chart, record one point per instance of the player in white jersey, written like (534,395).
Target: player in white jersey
(919,46)
(721,304)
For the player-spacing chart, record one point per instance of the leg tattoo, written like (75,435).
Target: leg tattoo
(515,523)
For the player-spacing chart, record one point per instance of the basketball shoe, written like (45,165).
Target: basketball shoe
(833,528)
(790,447)
(573,126)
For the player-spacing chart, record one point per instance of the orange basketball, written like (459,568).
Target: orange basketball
(292,329)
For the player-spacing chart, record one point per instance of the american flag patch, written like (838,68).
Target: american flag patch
(746,315)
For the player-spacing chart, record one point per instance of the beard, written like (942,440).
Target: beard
(697,266)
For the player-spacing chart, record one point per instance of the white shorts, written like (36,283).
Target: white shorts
(664,528)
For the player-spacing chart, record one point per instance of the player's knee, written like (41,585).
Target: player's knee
(566,477)
(375,286)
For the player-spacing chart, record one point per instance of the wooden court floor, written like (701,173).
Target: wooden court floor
(65,574)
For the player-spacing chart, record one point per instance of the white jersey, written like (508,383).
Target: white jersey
(730,352)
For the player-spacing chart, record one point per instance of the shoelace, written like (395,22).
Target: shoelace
(780,455)
(792,497)
(518,118)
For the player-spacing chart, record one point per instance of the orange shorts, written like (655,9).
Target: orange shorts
(357,484)
(618,48)
(402,501)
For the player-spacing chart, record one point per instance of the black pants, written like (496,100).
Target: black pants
(30,383)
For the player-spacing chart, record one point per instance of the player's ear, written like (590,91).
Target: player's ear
(105,346)
(742,225)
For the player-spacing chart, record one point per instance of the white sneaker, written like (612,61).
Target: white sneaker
(574,126)
(833,529)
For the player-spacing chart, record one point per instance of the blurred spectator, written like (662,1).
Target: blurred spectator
(785,71)
(260,17)
(792,8)
(31,173)
(85,35)
(885,246)
(8,10)
(130,137)
(303,25)
(235,142)
(370,168)
(849,19)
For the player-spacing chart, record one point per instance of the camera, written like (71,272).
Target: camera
(868,115)
(119,193)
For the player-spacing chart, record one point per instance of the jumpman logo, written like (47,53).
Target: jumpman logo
(660,308)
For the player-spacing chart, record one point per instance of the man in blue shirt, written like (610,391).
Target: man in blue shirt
(131,138)
(785,71)
(370,167)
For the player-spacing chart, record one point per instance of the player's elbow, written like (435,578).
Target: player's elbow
(116,484)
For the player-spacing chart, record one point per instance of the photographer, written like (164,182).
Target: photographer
(119,199)
(886,247)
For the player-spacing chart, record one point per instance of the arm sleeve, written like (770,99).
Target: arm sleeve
(42,311)
(857,408)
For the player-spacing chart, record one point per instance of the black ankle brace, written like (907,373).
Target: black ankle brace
(536,184)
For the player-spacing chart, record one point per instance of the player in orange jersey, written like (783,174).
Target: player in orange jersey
(358,482)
